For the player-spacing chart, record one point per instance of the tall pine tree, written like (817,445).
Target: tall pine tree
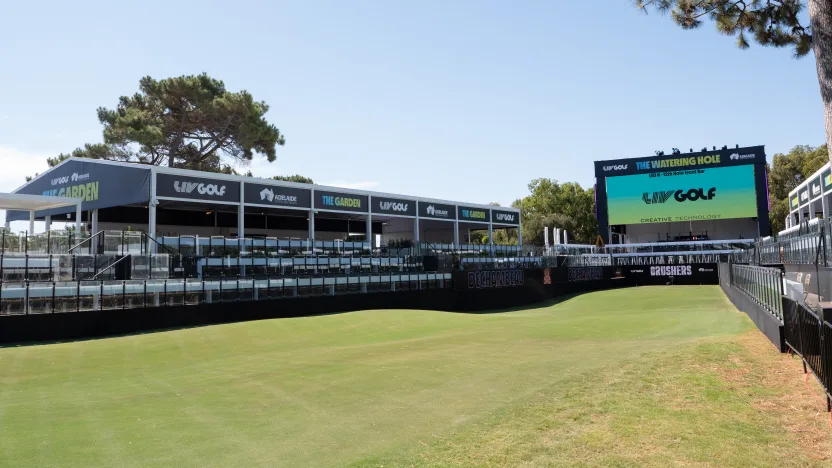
(773,23)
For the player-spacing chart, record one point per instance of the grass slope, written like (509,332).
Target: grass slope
(636,377)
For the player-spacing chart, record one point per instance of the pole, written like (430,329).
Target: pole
(78,219)
(31,222)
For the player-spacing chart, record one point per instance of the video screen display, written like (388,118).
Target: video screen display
(687,195)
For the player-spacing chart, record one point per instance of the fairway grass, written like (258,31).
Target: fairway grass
(656,376)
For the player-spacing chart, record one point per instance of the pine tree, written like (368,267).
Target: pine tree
(773,23)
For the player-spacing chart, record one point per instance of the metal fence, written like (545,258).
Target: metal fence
(811,339)
(763,284)
(55,296)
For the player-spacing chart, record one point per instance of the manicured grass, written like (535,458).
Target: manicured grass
(639,377)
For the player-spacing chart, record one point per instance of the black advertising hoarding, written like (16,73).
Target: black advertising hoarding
(197,188)
(578,274)
(505,217)
(337,201)
(804,196)
(826,180)
(696,273)
(272,195)
(100,185)
(815,187)
(491,279)
(676,162)
(436,211)
(393,206)
(479,215)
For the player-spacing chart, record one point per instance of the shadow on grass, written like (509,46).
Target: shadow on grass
(524,308)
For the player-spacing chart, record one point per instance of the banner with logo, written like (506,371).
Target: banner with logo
(393,206)
(491,279)
(794,202)
(197,188)
(804,196)
(336,201)
(678,162)
(577,274)
(505,217)
(815,188)
(480,215)
(695,273)
(100,185)
(688,195)
(436,210)
(260,194)
(826,180)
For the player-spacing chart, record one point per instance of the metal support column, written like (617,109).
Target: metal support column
(491,238)
(31,222)
(370,230)
(241,228)
(416,227)
(519,232)
(456,232)
(151,227)
(48,223)
(151,214)
(78,219)
(94,222)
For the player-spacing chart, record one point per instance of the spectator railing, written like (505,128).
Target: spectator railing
(764,285)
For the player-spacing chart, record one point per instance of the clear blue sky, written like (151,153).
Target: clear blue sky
(465,100)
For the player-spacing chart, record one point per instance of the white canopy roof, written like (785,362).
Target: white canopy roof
(22,202)
(32,203)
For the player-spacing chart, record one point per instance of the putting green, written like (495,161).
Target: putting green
(385,387)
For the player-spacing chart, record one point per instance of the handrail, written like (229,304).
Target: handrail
(85,240)
(109,266)
(168,249)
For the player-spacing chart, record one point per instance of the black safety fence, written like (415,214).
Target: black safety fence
(809,337)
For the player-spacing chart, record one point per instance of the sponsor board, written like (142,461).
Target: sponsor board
(197,188)
(704,159)
(826,179)
(337,201)
(671,270)
(261,194)
(804,196)
(465,213)
(575,274)
(616,167)
(699,273)
(489,279)
(98,185)
(394,206)
(436,210)
(505,217)
(815,189)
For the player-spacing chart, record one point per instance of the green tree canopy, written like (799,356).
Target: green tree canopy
(294,178)
(775,23)
(190,122)
(563,205)
(787,172)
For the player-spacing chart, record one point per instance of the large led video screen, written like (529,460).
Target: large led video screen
(690,195)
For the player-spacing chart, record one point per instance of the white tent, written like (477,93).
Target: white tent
(32,203)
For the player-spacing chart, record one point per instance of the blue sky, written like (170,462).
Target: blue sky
(464,100)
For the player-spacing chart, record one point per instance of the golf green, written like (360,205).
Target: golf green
(384,387)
